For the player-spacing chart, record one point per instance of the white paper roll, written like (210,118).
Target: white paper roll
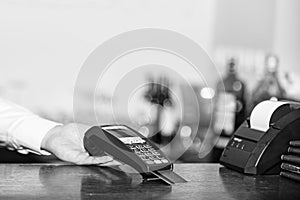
(261,114)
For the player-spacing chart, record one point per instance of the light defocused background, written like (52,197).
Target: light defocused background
(43,44)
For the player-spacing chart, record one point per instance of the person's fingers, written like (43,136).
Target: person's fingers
(101,159)
(111,163)
(84,159)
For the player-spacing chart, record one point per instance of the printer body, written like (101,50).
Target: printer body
(257,152)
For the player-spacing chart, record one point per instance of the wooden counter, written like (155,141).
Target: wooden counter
(205,181)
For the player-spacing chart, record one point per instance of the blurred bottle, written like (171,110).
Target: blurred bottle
(269,87)
(230,107)
(158,94)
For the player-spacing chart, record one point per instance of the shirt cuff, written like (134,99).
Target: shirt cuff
(30,132)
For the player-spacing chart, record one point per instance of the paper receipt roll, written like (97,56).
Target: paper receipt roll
(261,115)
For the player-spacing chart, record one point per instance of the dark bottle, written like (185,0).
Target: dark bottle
(158,94)
(269,86)
(229,106)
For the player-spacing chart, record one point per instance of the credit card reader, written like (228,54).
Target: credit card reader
(130,147)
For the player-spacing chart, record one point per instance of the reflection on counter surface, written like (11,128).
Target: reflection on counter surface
(75,182)
(205,181)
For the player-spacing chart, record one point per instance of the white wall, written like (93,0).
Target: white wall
(43,43)
(244,23)
(286,42)
(287,33)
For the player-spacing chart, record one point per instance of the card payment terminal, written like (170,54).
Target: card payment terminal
(130,147)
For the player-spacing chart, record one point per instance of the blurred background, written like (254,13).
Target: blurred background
(254,45)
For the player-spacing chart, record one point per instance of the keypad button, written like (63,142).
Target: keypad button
(151,157)
(164,160)
(157,162)
(149,162)
(144,157)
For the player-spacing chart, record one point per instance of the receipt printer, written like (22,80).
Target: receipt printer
(256,146)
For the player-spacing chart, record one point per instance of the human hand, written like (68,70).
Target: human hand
(66,143)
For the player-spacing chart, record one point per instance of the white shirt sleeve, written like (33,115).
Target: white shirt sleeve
(22,130)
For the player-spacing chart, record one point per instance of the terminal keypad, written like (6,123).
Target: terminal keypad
(148,154)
